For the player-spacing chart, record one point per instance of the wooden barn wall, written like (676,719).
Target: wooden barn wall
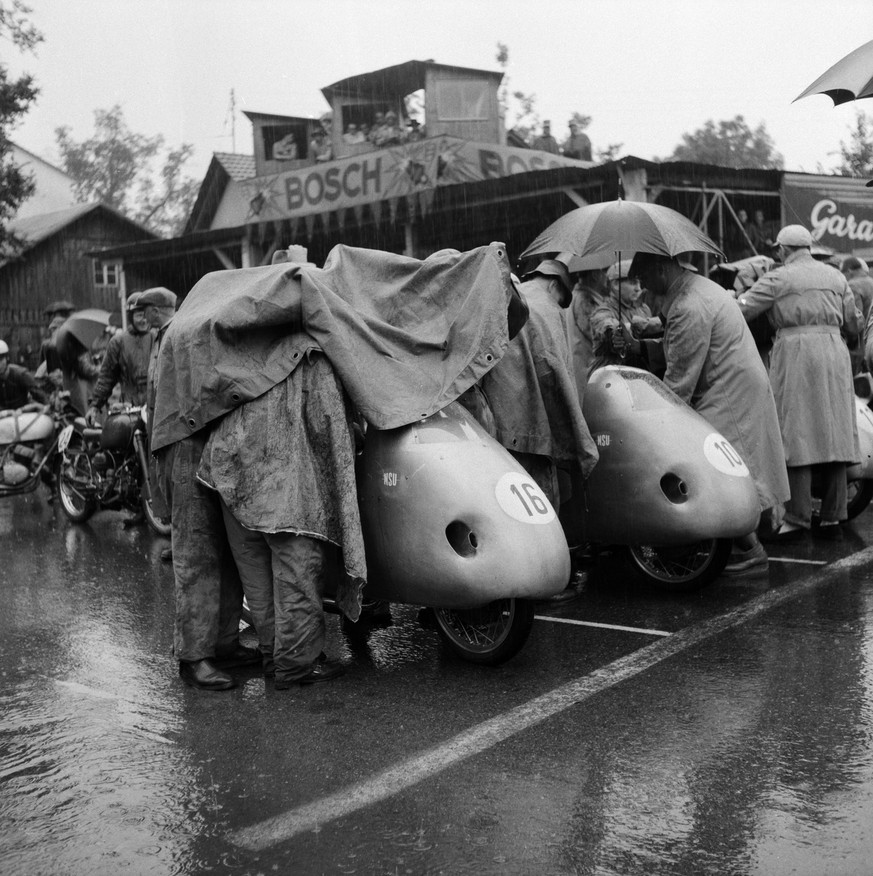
(54,269)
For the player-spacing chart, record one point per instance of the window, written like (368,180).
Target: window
(284,142)
(105,273)
(461,101)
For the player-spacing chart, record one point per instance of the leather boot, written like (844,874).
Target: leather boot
(203,674)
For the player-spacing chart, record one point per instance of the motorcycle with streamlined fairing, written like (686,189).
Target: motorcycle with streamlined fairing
(668,489)
(28,444)
(106,468)
(453,523)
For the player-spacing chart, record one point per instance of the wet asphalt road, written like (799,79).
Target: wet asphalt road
(728,731)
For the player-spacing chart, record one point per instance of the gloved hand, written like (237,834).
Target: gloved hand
(92,416)
(623,343)
(645,327)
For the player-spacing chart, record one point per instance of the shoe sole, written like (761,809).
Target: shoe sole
(305,681)
(216,687)
(749,571)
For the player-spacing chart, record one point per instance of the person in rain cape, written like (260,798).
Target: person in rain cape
(265,363)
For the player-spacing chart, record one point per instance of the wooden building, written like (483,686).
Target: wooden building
(459,180)
(54,265)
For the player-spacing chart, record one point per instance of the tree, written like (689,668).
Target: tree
(730,143)
(116,166)
(522,116)
(16,96)
(857,155)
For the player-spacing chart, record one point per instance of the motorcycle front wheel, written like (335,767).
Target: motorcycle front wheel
(681,567)
(859,494)
(71,472)
(488,635)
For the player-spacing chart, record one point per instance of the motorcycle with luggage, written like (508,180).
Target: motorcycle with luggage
(106,468)
(28,444)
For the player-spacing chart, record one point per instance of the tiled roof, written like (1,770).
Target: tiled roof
(238,167)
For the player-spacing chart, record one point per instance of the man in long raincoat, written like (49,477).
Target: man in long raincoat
(713,365)
(809,304)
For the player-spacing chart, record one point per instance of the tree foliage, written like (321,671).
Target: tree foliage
(117,167)
(520,108)
(729,143)
(856,156)
(16,96)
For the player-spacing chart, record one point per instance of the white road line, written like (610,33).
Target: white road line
(418,768)
(800,562)
(566,620)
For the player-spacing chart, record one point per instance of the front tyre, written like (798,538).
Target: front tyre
(488,635)
(681,567)
(73,481)
(859,495)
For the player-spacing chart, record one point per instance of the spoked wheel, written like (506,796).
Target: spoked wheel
(73,479)
(488,635)
(859,495)
(681,567)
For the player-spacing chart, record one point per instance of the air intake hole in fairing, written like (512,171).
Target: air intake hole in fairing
(674,488)
(462,539)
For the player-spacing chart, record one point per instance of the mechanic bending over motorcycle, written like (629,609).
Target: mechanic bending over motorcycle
(713,365)
(17,384)
(207,589)
(126,362)
(283,465)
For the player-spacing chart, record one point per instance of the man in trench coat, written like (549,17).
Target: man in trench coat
(810,304)
(713,365)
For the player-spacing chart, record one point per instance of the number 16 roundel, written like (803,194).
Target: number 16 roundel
(522,499)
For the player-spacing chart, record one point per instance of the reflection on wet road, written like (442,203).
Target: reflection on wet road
(742,743)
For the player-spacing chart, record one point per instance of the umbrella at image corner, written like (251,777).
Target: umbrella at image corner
(851,78)
(596,232)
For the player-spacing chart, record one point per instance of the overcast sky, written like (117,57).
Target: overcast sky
(646,71)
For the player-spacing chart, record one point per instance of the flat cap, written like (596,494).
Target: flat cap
(794,235)
(159,296)
(619,269)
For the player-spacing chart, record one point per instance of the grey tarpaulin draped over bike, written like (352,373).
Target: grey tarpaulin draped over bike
(406,337)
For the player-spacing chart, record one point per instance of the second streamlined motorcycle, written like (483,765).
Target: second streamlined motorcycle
(106,468)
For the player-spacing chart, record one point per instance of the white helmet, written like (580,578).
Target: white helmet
(4,348)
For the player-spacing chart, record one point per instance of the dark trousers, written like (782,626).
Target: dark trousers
(283,576)
(208,590)
(832,479)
